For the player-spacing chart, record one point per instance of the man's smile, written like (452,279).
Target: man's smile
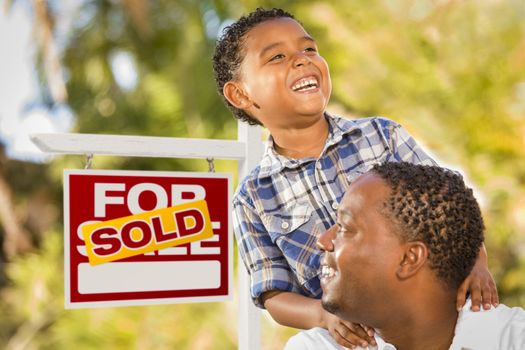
(327,273)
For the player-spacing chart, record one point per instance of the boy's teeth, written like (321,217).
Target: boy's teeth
(305,84)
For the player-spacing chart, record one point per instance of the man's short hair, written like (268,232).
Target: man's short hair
(229,53)
(433,205)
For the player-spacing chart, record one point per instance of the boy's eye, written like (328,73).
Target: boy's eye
(277,57)
(310,49)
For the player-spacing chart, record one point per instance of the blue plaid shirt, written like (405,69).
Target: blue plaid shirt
(284,204)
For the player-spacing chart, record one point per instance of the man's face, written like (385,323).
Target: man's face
(361,255)
(283,73)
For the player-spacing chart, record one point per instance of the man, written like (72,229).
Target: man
(407,235)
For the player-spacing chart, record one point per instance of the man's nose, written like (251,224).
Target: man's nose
(325,240)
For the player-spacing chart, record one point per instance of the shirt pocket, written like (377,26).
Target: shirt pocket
(288,220)
(292,230)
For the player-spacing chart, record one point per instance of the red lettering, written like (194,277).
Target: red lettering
(145,231)
(160,235)
(102,237)
(181,222)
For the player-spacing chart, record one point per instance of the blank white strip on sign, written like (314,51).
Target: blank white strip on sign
(121,277)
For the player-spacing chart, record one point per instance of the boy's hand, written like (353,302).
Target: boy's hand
(349,334)
(481,285)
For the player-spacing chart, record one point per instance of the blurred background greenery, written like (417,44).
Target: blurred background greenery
(452,72)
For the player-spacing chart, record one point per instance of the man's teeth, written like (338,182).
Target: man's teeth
(327,271)
(305,84)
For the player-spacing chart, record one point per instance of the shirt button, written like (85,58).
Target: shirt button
(285,225)
(335,205)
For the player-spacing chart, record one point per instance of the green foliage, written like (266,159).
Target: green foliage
(450,71)
(33,299)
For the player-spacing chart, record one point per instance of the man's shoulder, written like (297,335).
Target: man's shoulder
(502,315)
(511,321)
(501,327)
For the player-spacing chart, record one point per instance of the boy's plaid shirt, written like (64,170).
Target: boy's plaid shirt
(282,207)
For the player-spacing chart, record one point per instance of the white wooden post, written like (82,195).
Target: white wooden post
(247,150)
(249,315)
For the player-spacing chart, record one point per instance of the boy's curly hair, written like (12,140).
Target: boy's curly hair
(229,53)
(432,204)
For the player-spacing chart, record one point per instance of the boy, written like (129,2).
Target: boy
(270,73)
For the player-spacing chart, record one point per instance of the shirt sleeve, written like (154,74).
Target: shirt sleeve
(264,261)
(402,146)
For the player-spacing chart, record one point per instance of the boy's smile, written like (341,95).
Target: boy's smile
(282,76)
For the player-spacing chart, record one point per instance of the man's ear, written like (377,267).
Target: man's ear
(236,95)
(414,258)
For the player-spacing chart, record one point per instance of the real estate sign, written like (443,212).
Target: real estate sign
(139,237)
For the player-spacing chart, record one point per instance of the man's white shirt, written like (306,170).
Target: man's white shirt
(500,328)
(319,339)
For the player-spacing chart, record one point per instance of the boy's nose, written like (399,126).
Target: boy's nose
(301,59)
(325,240)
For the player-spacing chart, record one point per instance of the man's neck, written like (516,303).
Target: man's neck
(301,142)
(425,328)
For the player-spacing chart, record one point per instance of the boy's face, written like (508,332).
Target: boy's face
(283,75)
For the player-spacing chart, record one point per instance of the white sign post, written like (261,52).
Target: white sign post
(247,150)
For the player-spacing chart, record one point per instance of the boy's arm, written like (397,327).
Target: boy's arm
(481,285)
(295,310)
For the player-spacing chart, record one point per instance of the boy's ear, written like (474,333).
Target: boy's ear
(236,95)
(414,258)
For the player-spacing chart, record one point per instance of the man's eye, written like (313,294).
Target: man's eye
(277,57)
(310,49)
(345,231)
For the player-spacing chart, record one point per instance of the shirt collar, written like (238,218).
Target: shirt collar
(382,345)
(273,162)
